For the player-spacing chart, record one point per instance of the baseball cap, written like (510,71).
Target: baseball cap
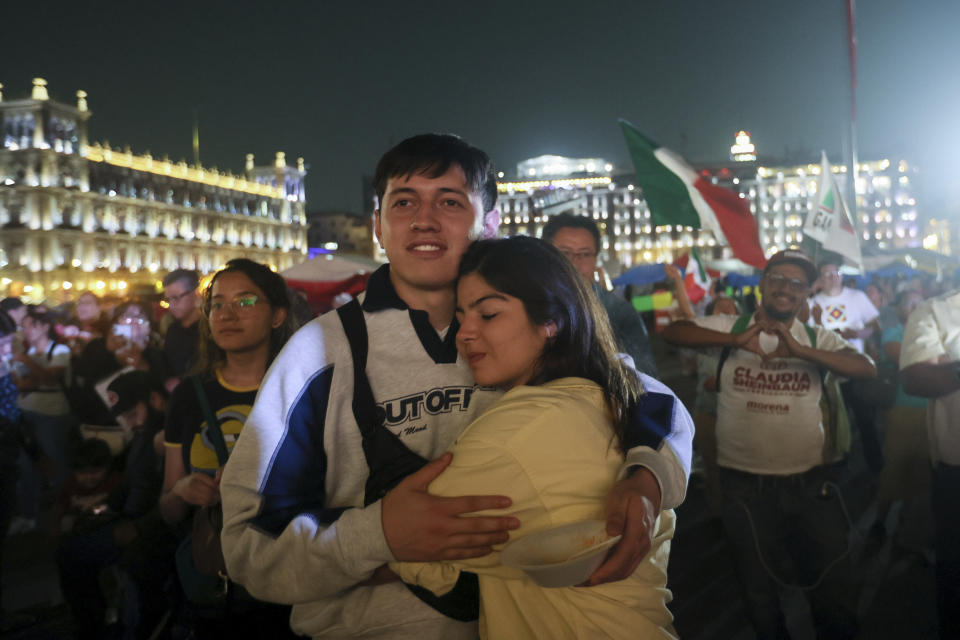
(129,389)
(793,256)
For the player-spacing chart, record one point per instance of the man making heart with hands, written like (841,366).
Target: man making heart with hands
(781,509)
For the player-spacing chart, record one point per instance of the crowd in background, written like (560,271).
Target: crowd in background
(98,446)
(101,406)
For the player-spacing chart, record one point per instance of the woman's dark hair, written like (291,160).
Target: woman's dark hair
(210,355)
(708,311)
(10,304)
(552,291)
(121,308)
(41,314)
(7,324)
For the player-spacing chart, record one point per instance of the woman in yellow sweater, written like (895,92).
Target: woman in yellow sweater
(554,442)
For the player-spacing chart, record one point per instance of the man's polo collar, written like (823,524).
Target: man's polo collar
(381,295)
(380,292)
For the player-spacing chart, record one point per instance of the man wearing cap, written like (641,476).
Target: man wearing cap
(781,511)
(133,536)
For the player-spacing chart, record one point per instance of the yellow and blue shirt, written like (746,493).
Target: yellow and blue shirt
(186,426)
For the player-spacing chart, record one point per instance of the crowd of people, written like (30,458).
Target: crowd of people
(227,472)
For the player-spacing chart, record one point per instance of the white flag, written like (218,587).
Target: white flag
(830,223)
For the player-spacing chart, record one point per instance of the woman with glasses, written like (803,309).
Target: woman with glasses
(246,321)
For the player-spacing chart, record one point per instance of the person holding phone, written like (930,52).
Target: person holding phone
(127,344)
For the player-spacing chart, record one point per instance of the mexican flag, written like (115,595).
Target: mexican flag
(830,223)
(696,281)
(676,194)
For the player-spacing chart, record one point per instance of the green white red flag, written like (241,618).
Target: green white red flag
(696,281)
(830,223)
(678,195)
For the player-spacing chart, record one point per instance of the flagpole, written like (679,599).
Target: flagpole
(196,137)
(853,171)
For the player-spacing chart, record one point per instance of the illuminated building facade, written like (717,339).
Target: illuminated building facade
(555,166)
(342,232)
(779,195)
(615,203)
(76,215)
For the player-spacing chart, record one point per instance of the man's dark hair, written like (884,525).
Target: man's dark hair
(552,291)
(10,304)
(432,155)
(189,277)
(564,220)
(92,453)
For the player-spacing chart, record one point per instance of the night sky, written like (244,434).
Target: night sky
(339,82)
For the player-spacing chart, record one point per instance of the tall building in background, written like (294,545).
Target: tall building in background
(342,232)
(76,215)
(780,194)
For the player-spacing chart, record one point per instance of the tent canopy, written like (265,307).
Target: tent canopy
(330,268)
(322,279)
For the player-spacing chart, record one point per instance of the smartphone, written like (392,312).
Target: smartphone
(124,331)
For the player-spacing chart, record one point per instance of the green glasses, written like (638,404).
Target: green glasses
(241,305)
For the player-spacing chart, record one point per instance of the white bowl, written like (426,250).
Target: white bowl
(562,556)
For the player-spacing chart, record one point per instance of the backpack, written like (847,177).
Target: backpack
(836,421)
(390,461)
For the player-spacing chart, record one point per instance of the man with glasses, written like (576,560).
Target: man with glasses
(844,310)
(180,342)
(782,509)
(578,238)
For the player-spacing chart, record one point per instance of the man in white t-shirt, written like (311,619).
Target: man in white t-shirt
(779,497)
(850,313)
(930,368)
(845,310)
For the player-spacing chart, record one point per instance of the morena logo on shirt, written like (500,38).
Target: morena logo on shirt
(433,402)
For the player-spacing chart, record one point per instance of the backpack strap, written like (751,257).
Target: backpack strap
(364,405)
(213,426)
(390,461)
(812,334)
(738,327)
